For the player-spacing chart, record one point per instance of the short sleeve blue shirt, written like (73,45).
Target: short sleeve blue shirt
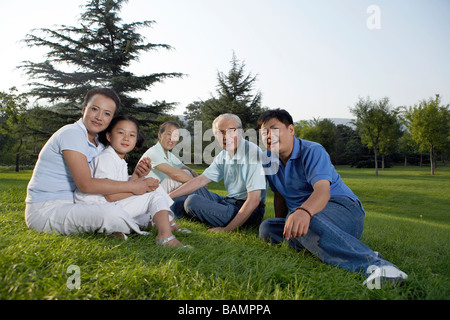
(309,163)
(241,173)
(51,179)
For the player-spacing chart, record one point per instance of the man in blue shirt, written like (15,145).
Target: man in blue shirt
(239,165)
(314,209)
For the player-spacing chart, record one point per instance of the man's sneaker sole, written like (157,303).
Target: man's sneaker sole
(382,277)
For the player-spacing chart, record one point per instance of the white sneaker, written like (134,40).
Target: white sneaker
(385,275)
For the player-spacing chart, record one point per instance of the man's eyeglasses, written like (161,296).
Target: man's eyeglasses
(228,132)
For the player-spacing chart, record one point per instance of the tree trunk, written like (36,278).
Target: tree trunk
(376,160)
(18,155)
(431,160)
(382,161)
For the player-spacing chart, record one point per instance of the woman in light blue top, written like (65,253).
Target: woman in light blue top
(166,167)
(63,165)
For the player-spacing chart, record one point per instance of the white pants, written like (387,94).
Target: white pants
(168,184)
(144,207)
(127,215)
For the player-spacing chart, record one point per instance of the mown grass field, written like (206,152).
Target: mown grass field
(407,221)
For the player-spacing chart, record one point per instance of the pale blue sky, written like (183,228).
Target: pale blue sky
(313,58)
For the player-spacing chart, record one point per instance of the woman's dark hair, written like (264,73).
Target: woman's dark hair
(140,135)
(107,92)
(280,114)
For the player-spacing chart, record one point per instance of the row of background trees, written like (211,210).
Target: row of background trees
(379,136)
(99,51)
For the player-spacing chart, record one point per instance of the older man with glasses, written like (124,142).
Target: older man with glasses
(239,165)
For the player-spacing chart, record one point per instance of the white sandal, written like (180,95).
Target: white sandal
(180,230)
(164,241)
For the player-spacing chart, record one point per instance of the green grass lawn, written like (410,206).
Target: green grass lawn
(407,221)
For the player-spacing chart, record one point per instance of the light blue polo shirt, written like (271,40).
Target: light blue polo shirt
(158,156)
(51,179)
(309,163)
(242,173)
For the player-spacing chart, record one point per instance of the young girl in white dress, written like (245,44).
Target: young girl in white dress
(122,136)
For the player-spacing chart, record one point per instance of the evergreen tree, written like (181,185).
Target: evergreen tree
(235,94)
(95,53)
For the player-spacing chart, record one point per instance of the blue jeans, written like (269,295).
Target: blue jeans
(208,207)
(333,235)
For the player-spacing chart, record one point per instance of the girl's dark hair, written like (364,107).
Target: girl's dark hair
(140,135)
(280,114)
(107,92)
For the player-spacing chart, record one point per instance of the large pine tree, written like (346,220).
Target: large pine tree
(95,53)
(235,94)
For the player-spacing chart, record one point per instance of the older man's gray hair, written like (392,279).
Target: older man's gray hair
(226,116)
